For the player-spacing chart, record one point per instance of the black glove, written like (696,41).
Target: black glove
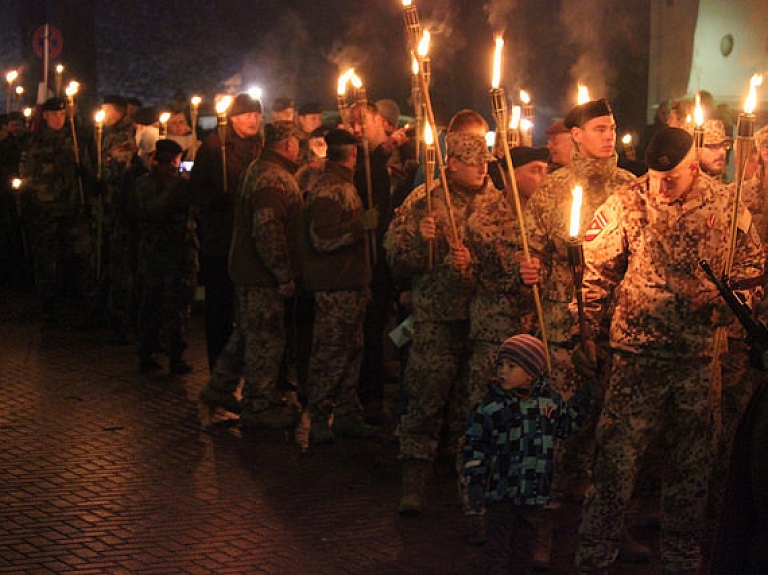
(476,496)
(583,362)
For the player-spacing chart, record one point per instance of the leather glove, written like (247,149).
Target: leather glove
(584,360)
(476,497)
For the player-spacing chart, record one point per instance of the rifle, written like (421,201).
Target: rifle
(757,333)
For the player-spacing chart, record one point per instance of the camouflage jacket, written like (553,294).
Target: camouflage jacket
(755,196)
(642,256)
(547,222)
(50,174)
(441,293)
(502,305)
(333,245)
(267,207)
(117,151)
(160,203)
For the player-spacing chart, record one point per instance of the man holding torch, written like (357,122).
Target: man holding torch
(592,166)
(642,255)
(215,209)
(440,296)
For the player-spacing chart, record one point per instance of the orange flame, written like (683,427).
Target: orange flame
(429,138)
(524,97)
(99,117)
(751,102)
(496,78)
(423,49)
(343,79)
(582,96)
(576,211)
(698,111)
(514,120)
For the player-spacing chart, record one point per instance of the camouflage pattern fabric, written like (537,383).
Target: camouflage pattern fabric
(337,352)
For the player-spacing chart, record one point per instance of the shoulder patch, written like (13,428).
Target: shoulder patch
(598,224)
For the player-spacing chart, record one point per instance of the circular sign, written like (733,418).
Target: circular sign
(55,41)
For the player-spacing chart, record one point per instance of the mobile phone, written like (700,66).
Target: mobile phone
(186,166)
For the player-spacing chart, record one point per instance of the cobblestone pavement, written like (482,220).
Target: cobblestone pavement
(104,470)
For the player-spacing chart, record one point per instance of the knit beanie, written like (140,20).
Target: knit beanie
(526,351)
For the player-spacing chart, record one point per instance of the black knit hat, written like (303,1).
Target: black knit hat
(310,108)
(667,149)
(526,351)
(583,113)
(116,100)
(339,137)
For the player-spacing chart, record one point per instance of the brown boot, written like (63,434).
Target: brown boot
(414,485)
(631,550)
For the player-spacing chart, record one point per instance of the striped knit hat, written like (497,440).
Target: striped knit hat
(526,351)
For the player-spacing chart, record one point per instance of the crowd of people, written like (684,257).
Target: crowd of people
(546,360)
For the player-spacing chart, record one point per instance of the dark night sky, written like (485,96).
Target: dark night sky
(298,47)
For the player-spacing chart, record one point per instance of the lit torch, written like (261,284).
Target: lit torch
(10,77)
(412,24)
(629,148)
(575,251)
(429,170)
(341,95)
(163,132)
(16,184)
(698,129)
(362,102)
(27,117)
(499,111)
(99,133)
(416,100)
(221,115)
(513,135)
(194,108)
(59,75)
(70,94)
(582,95)
(19,97)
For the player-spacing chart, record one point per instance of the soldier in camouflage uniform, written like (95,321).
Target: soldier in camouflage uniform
(263,266)
(116,232)
(642,253)
(337,269)
(439,352)
(54,212)
(167,259)
(593,167)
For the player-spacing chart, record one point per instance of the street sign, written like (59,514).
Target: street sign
(55,41)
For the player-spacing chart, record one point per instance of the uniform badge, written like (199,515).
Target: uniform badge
(598,223)
(711,221)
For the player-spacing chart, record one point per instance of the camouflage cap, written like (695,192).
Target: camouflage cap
(761,138)
(470,148)
(279,130)
(714,132)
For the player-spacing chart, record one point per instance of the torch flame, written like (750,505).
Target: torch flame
(415,67)
(71,89)
(496,79)
(59,69)
(576,211)
(429,138)
(16,183)
(27,112)
(524,97)
(582,97)
(196,100)
(406,3)
(11,76)
(526,125)
(627,139)
(99,117)
(356,82)
(514,120)
(164,117)
(341,88)
(423,48)
(698,111)
(751,102)
(223,104)
(19,90)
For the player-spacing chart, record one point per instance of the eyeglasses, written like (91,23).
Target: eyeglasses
(726,145)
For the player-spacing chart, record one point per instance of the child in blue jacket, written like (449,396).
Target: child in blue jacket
(508,451)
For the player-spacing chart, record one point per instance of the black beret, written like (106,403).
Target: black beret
(319,132)
(339,137)
(558,127)
(115,100)
(522,155)
(244,104)
(583,113)
(166,151)
(310,108)
(667,149)
(146,116)
(282,103)
(54,104)
(279,130)
(133,101)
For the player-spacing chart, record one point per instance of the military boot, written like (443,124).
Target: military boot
(415,473)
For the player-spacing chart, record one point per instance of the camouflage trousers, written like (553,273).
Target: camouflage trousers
(254,350)
(436,371)
(647,396)
(337,353)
